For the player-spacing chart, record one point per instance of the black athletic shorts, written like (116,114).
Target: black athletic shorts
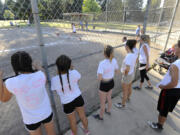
(106,86)
(35,126)
(168,100)
(70,107)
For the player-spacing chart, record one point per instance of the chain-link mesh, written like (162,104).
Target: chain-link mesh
(96,23)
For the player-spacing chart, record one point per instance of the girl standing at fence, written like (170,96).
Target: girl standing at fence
(144,53)
(28,86)
(127,70)
(66,85)
(105,72)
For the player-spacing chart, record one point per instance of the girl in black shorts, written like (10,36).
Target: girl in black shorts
(66,85)
(170,92)
(105,73)
(29,88)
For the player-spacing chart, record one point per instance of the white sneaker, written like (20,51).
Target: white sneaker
(119,105)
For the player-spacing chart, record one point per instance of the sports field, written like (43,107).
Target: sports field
(58,41)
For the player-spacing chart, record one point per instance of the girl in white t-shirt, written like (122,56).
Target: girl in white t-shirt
(105,73)
(144,54)
(29,88)
(73,28)
(66,86)
(127,70)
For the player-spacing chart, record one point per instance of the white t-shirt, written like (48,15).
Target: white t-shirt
(167,78)
(142,55)
(31,96)
(69,94)
(107,68)
(74,28)
(129,60)
(136,51)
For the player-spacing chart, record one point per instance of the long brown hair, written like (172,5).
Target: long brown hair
(63,64)
(108,50)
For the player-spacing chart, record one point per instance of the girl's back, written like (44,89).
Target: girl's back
(69,94)
(31,95)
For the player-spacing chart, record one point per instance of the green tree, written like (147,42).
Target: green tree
(21,9)
(115,5)
(102,3)
(77,6)
(8,15)
(134,4)
(90,6)
(50,9)
(155,4)
(1,10)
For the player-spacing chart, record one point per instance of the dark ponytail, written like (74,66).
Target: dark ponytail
(63,64)
(131,44)
(21,62)
(108,50)
(68,79)
(61,82)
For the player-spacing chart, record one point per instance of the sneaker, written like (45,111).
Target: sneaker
(149,87)
(136,88)
(97,116)
(155,126)
(86,131)
(108,113)
(119,105)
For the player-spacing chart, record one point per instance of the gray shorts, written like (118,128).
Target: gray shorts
(127,79)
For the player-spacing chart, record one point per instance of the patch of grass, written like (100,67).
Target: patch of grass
(97,25)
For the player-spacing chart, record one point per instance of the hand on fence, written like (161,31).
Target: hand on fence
(37,65)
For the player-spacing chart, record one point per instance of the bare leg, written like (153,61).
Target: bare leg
(82,116)
(109,94)
(102,96)
(36,132)
(149,83)
(161,120)
(141,84)
(125,92)
(129,91)
(50,128)
(72,120)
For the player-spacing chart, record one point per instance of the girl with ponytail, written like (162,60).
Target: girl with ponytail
(66,85)
(105,73)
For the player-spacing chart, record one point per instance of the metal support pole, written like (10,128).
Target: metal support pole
(171,24)
(106,13)
(159,22)
(44,58)
(124,16)
(146,16)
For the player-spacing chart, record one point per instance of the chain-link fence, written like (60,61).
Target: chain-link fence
(79,29)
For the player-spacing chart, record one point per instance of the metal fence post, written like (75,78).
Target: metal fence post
(171,24)
(146,16)
(106,13)
(159,22)
(44,58)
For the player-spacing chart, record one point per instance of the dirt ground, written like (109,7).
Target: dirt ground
(57,42)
